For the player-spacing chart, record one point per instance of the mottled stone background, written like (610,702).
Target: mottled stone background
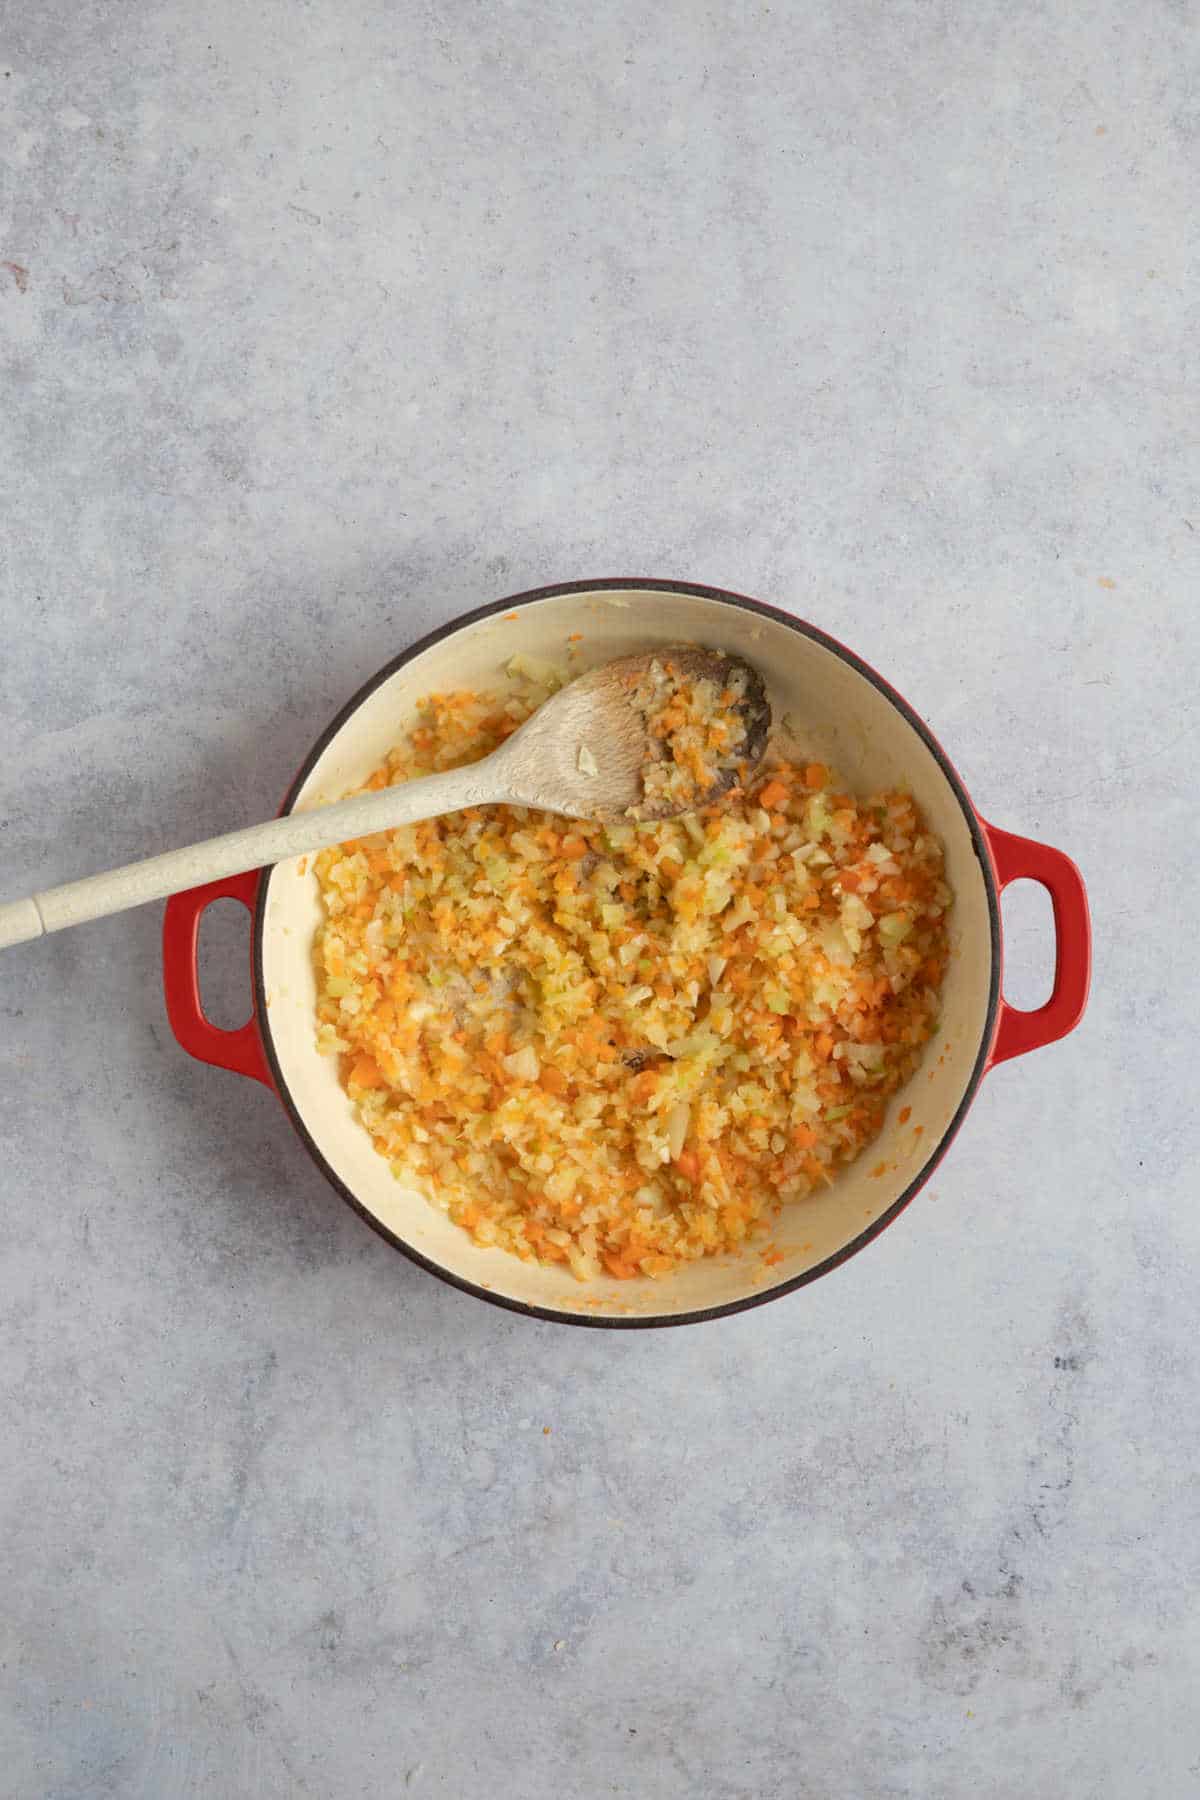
(320,323)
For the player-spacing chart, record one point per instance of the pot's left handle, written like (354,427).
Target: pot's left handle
(240,1051)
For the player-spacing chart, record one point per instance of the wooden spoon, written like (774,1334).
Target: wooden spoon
(581,754)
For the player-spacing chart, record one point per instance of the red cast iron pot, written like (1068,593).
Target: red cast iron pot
(844,714)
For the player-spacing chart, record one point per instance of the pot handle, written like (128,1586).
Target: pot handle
(240,1051)
(1015,859)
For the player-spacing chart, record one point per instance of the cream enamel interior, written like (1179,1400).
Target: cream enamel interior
(838,716)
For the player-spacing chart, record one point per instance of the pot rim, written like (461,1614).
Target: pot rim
(979,1068)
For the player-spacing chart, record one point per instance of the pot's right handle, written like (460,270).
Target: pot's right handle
(1016,859)
(239,1051)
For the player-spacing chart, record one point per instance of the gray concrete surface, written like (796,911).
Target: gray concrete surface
(320,323)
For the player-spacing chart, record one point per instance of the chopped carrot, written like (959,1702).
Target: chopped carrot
(772,796)
(905,1114)
(688,1164)
(816,775)
(365,1073)
(553,1080)
(642,1086)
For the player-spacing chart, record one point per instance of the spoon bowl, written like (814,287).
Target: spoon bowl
(584,752)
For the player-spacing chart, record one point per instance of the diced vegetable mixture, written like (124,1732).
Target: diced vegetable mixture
(695,731)
(624,1047)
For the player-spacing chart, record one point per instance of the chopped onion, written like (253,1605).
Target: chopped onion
(523,1063)
(678,1120)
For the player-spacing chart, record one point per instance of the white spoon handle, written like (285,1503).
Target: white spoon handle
(293,835)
